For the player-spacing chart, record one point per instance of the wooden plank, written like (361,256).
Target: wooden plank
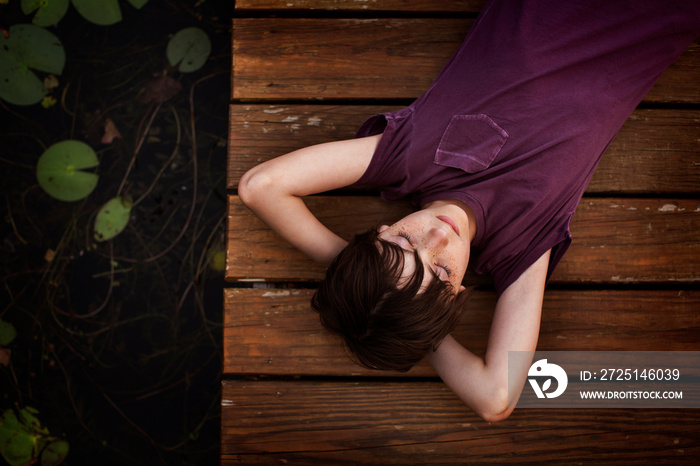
(309,422)
(316,59)
(633,241)
(423,6)
(260,132)
(656,151)
(615,240)
(275,331)
(281,58)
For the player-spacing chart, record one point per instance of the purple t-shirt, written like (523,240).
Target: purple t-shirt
(516,122)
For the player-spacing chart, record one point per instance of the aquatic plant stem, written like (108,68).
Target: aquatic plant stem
(21,117)
(75,111)
(176,150)
(135,426)
(12,222)
(194,177)
(109,291)
(138,148)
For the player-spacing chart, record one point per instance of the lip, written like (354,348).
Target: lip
(450,222)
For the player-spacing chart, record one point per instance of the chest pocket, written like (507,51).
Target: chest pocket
(470,143)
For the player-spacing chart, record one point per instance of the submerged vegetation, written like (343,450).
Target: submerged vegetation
(113,161)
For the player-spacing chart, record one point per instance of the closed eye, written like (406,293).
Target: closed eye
(447,270)
(406,237)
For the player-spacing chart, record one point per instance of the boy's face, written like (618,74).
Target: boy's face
(439,234)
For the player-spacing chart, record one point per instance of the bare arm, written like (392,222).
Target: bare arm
(483,383)
(273,191)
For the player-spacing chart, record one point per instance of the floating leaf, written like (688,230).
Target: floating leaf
(59,170)
(113,218)
(48,12)
(17,444)
(190,47)
(7,333)
(28,46)
(54,453)
(217,259)
(138,4)
(103,12)
(27,417)
(48,101)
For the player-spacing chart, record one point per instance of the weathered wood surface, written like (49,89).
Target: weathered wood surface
(656,151)
(615,240)
(644,231)
(315,422)
(385,58)
(275,331)
(423,6)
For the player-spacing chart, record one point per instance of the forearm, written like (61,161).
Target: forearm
(289,217)
(491,386)
(482,387)
(274,189)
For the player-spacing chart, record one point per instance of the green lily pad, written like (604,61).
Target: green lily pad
(217,259)
(7,333)
(59,170)
(113,218)
(48,12)
(54,453)
(138,4)
(190,48)
(27,418)
(17,443)
(103,12)
(28,47)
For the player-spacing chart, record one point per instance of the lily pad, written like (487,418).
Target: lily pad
(28,47)
(190,48)
(17,443)
(103,12)
(59,170)
(217,259)
(54,453)
(48,12)
(7,333)
(113,218)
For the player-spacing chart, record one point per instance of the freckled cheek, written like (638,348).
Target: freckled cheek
(459,261)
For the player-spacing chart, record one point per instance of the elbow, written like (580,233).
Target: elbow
(496,409)
(252,186)
(496,415)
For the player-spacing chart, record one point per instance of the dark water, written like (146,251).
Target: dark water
(118,344)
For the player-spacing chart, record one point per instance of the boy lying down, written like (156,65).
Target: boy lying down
(496,156)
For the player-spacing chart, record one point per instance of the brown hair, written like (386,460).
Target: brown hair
(384,326)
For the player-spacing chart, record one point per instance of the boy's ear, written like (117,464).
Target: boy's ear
(382,228)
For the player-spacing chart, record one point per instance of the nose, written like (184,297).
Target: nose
(436,238)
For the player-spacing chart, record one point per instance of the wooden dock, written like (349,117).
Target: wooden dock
(310,71)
